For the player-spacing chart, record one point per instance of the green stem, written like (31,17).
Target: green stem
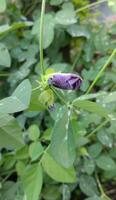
(41,36)
(7,177)
(103,194)
(101,71)
(61,98)
(98,128)
(90,5)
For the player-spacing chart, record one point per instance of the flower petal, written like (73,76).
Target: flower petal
(66,81)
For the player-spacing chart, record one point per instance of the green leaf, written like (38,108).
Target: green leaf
(19,100)
(78,31)
(11,191)
(34,132)
(105,162)
(55,2)
(10,132)
(32,181)
(35,150)
(35,104)
(89,166)
(48,33)
(5,59)
(110,174)
(101,40)
(62,143)
(2,6)
(56,171)
(95,149)
(91,96)
(51,193)
(111,97)
(8,162)
(88,185)
(67,15)
(91,107)
(22,153)
(105,138)
(47,134)
(94,198)
(20,167)
(89,52)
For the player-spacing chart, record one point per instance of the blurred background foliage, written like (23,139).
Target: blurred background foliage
(76,39)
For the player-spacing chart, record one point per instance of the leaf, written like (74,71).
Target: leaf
(94,198)
(91,96)
(105,162)
(89,166)
(62,144)
(32,181)
(101,40)
(95,150)
(9,162)
(89,52)
(56,171)
(19,100)
(88,185)
(10,132)
(105,138)
(91,107)
(11,191)
(22,153)
(67,15)
(2,6)
(35,150)
(5,59)
(55,2)
(51,193)
(48,34)
(20,167)
(35,104)
(34,132)
(111,97)
(78,31)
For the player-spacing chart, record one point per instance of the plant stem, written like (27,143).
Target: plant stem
(41,36)
(101,188)
(101,71)
(61,98)
(90,5)
(98,128)
(7,177)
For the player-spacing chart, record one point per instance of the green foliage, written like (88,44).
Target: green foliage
(62,142)
(10,132)
(56,144)
(32,181)
(56,171)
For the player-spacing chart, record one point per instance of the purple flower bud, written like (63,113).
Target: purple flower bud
(66,81)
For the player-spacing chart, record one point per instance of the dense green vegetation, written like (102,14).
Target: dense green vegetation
(57,144)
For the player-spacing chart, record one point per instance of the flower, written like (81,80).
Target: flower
(66,81)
